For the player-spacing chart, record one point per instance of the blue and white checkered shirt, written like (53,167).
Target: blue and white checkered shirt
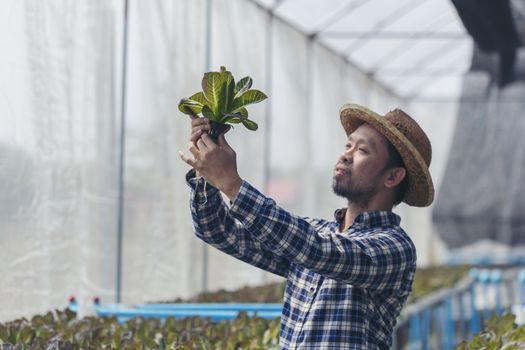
(344,290)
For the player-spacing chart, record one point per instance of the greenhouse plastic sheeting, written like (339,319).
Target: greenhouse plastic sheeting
(60,103)
(482,195)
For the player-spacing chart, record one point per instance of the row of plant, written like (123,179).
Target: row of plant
(62,330)
(426,281)
(500,332)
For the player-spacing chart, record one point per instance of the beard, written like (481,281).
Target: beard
(355,193)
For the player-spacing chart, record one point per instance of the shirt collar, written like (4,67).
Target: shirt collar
(370,219)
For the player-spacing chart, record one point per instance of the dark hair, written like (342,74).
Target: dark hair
(395,161)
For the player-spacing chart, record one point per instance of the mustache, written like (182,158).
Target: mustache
(343,168)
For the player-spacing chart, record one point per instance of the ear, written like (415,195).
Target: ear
(394,176)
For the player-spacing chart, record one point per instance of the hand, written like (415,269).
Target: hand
(198,127)
(215,162)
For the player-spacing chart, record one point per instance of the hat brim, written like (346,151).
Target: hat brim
(420,192)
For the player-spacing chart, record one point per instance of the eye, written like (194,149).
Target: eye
(363,150)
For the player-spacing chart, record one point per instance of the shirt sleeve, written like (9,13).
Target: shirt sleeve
(375,261)
(214,225)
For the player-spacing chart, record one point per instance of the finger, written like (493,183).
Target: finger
(187,160)
(201,144)
(222,141)
(194,116)
(194,150)
(204,128)
(195,136)
(207,141)
(199,121)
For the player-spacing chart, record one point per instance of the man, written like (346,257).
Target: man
(347,279)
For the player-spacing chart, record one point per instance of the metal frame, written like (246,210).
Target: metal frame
(393,35)
(122,152)
(411,37)
(392,18)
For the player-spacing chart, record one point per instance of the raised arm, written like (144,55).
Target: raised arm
(373,260)
(213,224)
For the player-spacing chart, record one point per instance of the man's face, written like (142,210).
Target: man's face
(358,173)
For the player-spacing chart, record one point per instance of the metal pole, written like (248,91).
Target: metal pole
(207,58)
(122,151)
(309,166)
(268,117)
(268,111)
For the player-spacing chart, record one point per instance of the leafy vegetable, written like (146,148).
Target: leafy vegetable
(501,332)
(61,330)
(223,101)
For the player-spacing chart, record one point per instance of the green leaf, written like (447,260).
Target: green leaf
(251,125)
(4,336)
(249,97)
(227,91)
(190,107)
(242,86)
(26,335)
(49,317)
(243,111)
(231,118)
(212,84)
(116,340)
(207,112)
(199,97)
(518,334)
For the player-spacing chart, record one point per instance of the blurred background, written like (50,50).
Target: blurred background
(93,197)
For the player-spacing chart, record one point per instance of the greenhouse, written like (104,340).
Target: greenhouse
(97,226)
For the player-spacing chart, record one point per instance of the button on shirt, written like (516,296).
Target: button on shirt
(344,290)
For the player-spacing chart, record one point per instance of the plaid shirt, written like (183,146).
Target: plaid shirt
(344,290)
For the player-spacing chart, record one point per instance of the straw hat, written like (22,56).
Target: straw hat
(408,138)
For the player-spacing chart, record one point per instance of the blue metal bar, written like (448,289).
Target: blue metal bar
(414,333)
(496,278)
(474,317)
(521,282)
(440,323)
(461,318)
(212,306)
(214,315)
(484,279)
(448,319)
(425,327)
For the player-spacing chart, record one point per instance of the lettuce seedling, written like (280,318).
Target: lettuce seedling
(223,101)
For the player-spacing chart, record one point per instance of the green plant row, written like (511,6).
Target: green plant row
(501,332)
(62,330)
(426,281)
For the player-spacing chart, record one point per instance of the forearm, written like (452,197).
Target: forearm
(213,224)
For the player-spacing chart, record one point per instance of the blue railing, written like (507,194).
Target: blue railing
(215,311)
(443,319)
(438,321)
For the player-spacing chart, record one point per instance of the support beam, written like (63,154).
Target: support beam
(394,35)
(408,44)
(207,63)
(338,15)
(420,71)
(122,152)
(393,17)
(419,88)
(320,43)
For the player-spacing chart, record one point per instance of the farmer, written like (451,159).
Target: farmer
(347,279)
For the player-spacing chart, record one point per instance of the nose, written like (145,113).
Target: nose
(346,157)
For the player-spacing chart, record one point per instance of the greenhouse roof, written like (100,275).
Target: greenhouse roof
(417,48)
